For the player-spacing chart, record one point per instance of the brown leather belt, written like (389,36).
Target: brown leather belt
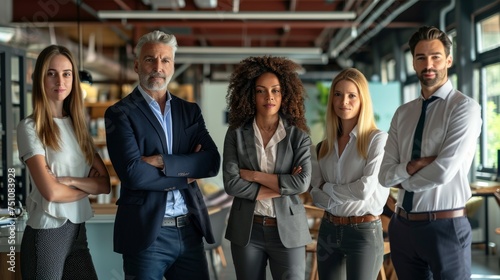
(431,216)
(349,220)
(265,221)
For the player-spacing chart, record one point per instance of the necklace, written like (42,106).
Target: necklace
(268,130)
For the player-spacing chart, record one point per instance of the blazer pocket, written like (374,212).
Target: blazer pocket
(137,200)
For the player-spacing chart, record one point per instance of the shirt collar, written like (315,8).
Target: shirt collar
(443,91)
(148,97)
(354,132)
(279,135)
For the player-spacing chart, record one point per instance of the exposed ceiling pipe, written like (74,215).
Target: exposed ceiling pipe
(179,70)
(167,4)
(219,15)
(206,4)
(442,15)
(340,41)
(34,42)
(91,11)
(379,26)
(236,6)
(254,51)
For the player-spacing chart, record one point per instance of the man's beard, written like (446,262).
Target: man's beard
(155,85)
(431,82)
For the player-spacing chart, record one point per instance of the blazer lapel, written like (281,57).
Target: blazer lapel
(143,106)
(283,151)
(249,145)
(176,124)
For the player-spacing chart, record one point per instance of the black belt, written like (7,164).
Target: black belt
(431,216)
(179,221)
(265,221)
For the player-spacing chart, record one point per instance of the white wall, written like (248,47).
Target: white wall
(213,107)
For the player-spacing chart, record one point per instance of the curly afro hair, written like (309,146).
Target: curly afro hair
(241,90)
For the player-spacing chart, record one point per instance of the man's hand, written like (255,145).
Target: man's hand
(415,165)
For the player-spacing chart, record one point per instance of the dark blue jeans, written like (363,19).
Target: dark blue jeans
(436,250)
(350,251)
(177,253)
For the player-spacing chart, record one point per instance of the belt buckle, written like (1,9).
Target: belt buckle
(264,219)
(432,216)
(181,221)
(403,213)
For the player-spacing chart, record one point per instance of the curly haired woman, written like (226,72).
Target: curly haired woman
(266,165)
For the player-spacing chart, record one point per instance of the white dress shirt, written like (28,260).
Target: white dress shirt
(266,156)
(351,186)
(452,127)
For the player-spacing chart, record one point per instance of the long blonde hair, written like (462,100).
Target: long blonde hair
(46,129)
(366,121)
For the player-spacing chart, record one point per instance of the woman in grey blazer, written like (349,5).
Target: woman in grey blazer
(266,165)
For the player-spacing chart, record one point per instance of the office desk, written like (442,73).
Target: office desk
(485,189)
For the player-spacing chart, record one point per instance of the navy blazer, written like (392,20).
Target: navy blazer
(132,131)
(240,152)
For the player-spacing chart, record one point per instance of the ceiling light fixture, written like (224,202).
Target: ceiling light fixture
(220,15)
(236,58)
(249,51)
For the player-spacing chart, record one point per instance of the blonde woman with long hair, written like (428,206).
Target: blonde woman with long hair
(345,183)
(64,168)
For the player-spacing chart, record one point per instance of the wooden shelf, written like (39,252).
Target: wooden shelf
(108,208)
(99,141)
(97,109)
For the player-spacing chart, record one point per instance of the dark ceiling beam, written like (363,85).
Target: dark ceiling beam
(216,24)
(93,12)
(123,5)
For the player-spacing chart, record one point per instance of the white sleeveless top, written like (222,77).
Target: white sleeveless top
(69,161)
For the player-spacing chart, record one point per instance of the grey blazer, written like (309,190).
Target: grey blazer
(240,153)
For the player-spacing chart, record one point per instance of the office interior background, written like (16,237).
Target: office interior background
(323,36)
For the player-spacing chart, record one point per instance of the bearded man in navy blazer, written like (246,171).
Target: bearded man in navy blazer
(158,144)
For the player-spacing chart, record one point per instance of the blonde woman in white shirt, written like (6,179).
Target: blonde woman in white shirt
(345,183)
(64,169)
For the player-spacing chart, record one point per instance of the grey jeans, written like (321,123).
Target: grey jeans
(353,251)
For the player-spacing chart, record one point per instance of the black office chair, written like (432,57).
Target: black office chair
(219,223)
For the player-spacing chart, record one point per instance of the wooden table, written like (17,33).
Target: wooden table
(485,189)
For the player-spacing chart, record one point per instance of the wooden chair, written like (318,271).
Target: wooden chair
(218,220)
(387,250)
(314,215)
(390,206)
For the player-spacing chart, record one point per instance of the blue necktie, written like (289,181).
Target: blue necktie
(416,150)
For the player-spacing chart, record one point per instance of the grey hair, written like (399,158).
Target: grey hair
(156,36)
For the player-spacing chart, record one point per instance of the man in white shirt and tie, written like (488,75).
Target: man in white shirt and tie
(431,145)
